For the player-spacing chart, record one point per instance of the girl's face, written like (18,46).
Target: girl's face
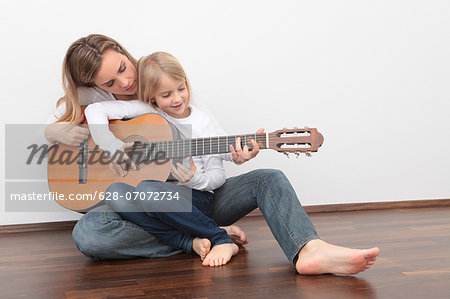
(117,74)
(172,97)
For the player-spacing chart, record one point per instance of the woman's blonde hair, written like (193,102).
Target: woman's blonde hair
(151,69)
(81,63)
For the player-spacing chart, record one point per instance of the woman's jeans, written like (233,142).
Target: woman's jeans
(103,234)
(161,216)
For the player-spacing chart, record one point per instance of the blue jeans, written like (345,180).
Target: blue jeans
(177,229)
(103,234)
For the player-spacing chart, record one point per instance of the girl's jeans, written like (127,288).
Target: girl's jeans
(162,217)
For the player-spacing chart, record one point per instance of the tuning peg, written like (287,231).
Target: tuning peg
(287,154)
(297,154)
(295,128)
(308,154)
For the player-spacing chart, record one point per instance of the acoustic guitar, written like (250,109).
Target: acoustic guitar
(79,176)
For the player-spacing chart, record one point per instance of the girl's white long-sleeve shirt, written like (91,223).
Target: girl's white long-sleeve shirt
(90,95)
(210,173)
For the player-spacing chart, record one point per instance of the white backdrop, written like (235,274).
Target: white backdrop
(372,76)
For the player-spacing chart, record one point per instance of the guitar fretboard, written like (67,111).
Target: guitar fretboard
(183,148)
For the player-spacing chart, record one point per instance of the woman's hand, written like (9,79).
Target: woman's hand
(121,163)
(182,173)
(241,155)
(66,133)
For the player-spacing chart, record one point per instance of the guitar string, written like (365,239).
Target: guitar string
(217,141)
(213,141)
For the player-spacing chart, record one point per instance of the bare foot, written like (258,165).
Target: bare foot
(236,234)
(220,254)
(201,247)
(319,257)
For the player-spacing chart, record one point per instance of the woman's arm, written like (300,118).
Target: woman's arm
(65,133)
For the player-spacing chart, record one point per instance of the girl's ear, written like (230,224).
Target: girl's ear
(153,102)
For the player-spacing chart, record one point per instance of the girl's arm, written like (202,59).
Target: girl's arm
(209,174)
(99,114)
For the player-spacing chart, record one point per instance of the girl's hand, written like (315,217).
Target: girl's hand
(66,133)
(182,173)
(241,155)
(121,164)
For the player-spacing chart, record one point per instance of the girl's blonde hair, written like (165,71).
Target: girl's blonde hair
(151,69)
(81,63)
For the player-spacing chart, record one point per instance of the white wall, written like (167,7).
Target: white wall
(372,76)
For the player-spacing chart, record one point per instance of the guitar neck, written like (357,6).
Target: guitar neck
(183,148)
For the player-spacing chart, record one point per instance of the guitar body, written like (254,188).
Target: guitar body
(64,175)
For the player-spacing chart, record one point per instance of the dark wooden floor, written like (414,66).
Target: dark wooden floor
(414,263)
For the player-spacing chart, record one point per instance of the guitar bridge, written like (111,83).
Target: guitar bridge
(82,162)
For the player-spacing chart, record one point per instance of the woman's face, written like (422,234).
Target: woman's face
(117,74)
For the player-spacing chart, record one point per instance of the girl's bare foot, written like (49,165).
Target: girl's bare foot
(201,247)
(220,254)
(236,234)
(319,257)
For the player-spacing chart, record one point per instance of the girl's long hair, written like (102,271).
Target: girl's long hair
(151,68)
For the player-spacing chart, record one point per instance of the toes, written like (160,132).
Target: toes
(205,263)
(244,238)
(218,262)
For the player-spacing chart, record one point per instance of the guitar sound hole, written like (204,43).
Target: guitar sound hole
(136,152)
(135,138)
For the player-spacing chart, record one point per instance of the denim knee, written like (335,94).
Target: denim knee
(86,232)
(151,185)
(118,197)
(274,174)
(103,234)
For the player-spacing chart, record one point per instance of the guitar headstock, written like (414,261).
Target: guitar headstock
(296,140)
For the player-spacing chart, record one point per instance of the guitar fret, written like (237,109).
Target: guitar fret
(223,143)
(164,152)
(168,150)
(217,145)
(164,149)
(206,146)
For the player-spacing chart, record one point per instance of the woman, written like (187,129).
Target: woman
(101,233)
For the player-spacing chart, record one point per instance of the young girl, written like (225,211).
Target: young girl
(163,86)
